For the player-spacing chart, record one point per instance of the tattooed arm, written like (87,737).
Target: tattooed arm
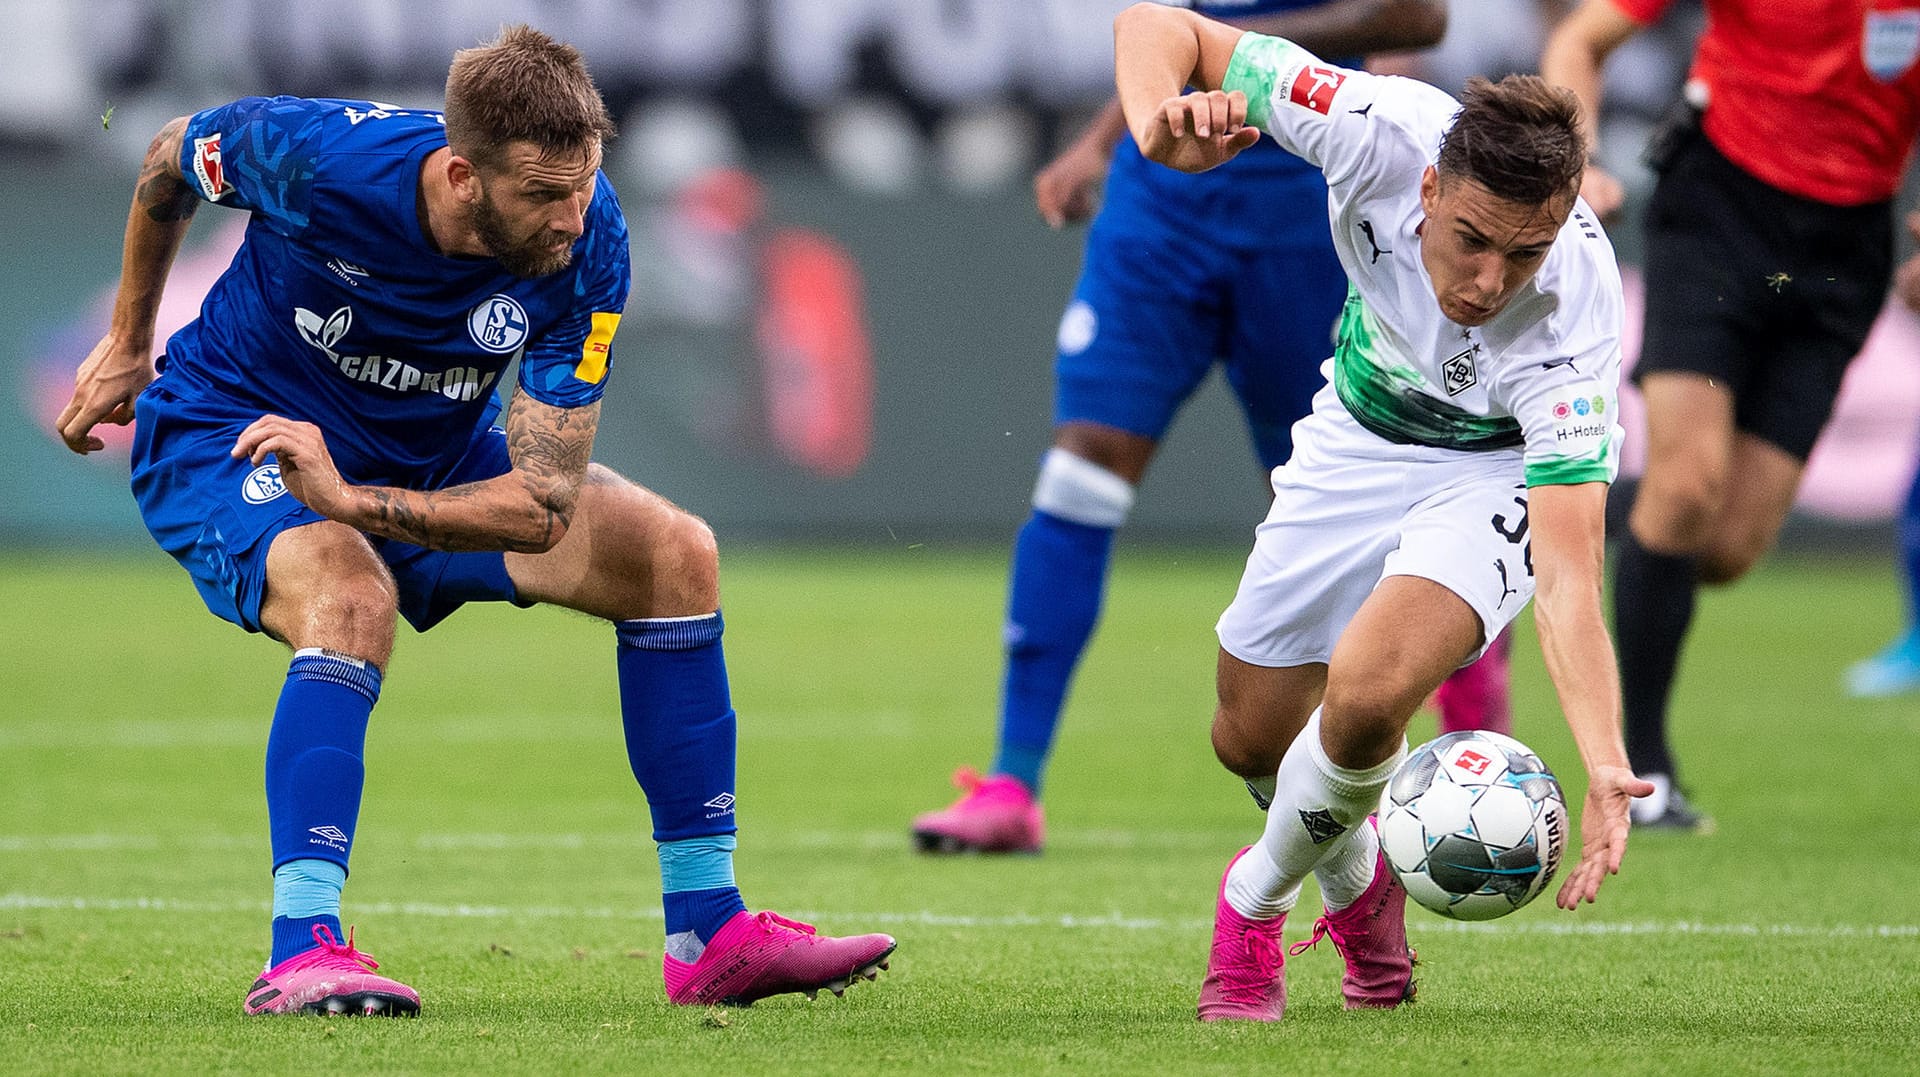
(121,364)
(525,510)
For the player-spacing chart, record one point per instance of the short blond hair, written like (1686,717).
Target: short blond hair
(522,86)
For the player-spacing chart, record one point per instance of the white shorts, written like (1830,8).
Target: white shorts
(1351,509)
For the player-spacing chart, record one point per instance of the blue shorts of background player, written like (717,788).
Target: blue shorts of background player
(1173,285)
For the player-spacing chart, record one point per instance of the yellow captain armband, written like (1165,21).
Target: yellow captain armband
(593,354)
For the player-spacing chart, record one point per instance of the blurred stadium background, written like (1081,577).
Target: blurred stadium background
(843,313)
(840,338)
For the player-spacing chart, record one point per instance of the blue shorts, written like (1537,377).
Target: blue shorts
(218,516)
(1245,276)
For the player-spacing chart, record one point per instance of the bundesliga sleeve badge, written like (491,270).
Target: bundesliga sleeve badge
(206,168)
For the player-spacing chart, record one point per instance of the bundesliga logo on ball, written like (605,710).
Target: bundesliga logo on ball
(1473,825)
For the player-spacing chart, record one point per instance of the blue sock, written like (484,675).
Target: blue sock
(1059,577)
(314,775)
(1909,529)
(679,723)
(697,890)
(305,893)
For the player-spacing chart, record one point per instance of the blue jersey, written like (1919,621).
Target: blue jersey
(1231,267)
(338,311)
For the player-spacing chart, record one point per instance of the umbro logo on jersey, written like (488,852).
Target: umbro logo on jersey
(721,805)
(346,271)
(1459,373)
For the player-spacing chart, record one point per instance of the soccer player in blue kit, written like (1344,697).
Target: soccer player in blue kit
(319,452)
(1181,271)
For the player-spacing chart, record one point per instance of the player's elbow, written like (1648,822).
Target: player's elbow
(552,515)
(1138,18)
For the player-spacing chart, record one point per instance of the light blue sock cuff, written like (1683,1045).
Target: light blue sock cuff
(308,887)
(697,863)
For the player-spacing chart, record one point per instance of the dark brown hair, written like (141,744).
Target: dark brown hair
(522,86)
(1519,138)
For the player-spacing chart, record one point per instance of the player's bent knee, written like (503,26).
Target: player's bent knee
(1724,565)
(1242,757)
(1373,710)
(1247,744)
(1676,514)
(352,615)
(696,548)
(1081,492)
(686,562)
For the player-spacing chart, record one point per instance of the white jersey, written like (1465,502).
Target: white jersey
(1541,377)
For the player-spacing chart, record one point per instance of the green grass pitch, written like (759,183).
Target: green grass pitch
(504,868)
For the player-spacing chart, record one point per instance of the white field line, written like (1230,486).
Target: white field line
(1109,921)
(231,731)
(760,837)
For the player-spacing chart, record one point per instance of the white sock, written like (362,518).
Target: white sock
(1315,802)
(1347,869)
(1254,887)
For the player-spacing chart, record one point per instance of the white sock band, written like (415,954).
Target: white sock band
(1081,491)
(1361,785)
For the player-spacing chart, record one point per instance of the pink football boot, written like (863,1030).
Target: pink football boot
(328,979)
(1371,935)
(997,815)
(759,954)
(1246,973)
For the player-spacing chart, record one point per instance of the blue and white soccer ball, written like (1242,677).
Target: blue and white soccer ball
(1473,825)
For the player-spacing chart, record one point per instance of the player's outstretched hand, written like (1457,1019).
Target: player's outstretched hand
(1065,190)
(1603,833)
(306,467)
(103,391)
(1194,132)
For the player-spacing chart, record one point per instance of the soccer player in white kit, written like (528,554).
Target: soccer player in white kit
(1458,457)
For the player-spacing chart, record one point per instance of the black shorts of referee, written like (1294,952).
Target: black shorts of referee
(1763,291)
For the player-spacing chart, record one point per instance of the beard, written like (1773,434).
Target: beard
(526,259)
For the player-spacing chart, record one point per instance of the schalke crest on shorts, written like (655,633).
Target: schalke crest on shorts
(1891,43)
